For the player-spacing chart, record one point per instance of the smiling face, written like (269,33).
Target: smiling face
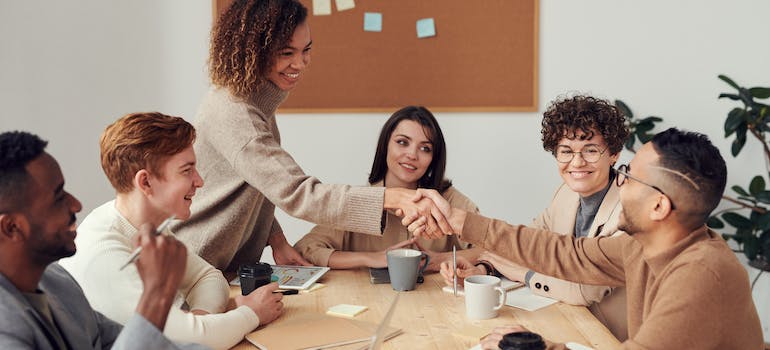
(172,193)
(292,60)
(410,153)
(581,176)
(51,212)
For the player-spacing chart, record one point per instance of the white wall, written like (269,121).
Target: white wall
(69,69)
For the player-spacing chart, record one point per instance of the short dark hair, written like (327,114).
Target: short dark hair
(434,176)
(17,149)
(565,116)
(693,156)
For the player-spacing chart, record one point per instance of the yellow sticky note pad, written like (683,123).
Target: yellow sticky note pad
(346,310)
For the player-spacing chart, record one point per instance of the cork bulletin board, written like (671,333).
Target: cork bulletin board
(483,57)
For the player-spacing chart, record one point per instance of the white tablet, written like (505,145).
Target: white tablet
(293,277)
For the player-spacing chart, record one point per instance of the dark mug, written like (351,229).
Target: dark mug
(521,341)
(253,276)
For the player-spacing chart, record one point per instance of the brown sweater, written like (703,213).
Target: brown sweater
(246,174)
(695,295)
(318,245)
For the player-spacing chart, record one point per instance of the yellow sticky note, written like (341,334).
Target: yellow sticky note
(322,7)
(346,310)
(343,5)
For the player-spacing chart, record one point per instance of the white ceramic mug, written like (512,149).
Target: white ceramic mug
(483,297)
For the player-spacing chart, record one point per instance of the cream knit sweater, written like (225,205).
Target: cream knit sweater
(104,244)
(247,174)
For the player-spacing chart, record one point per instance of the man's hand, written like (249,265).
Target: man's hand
(266,304)
(464,269)
(490,341)
(407,203)
(284,253)
(161,267)
(420,227)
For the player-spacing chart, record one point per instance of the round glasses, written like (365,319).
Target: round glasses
(623,176)
(590,154)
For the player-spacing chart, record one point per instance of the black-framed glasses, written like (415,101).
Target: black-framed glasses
(590,154)
(623,175)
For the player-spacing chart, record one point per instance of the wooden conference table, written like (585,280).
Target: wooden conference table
(433,319)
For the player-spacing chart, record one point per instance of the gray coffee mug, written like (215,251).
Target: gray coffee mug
(404,267)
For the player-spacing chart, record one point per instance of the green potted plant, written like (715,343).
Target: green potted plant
(639,128)
(748,222)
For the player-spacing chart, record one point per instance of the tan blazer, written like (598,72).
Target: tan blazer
(607,304)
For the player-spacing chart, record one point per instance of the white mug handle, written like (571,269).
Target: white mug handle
(502,298)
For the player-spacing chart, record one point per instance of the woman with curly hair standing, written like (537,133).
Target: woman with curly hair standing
(259,51)
(585,136)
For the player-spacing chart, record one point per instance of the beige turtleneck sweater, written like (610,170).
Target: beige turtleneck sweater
(247,173)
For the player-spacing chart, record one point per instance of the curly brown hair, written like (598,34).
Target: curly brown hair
(588,114)
(246,40)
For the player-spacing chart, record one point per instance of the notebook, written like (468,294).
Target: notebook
(325,332)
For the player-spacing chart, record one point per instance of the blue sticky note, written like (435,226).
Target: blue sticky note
(426,28)
(372,22)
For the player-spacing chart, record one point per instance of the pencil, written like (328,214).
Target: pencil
(454,264)
(158,231)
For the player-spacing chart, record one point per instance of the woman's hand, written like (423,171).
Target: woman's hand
(284,253)
(464,269)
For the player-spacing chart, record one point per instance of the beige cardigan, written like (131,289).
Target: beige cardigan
(318,245)
(247,174)
(607,304)
(695,295)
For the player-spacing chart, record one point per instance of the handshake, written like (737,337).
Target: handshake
(425,212)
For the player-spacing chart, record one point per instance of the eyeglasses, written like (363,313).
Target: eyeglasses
(623,175)
(590,154)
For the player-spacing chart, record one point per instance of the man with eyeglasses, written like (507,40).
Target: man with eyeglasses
(685,287)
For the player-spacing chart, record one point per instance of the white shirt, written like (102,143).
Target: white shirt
(104,243)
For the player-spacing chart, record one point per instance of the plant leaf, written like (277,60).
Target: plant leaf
(760,92)
(733,97)
(751,247)
(763,197)
(735,118)
(737,220)
(764,244)
(651,119)
(763,222)
(715,223)
(728,81)
(645,137)
(644,127)
(739,190)
(738,143)
(757,185)
(630,143)
(624,108)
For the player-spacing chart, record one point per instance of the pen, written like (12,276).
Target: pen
(287,292)
(454,264)
(158,231)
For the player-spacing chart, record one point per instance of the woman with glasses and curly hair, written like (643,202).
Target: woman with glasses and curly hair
(260,50)
(585,136)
